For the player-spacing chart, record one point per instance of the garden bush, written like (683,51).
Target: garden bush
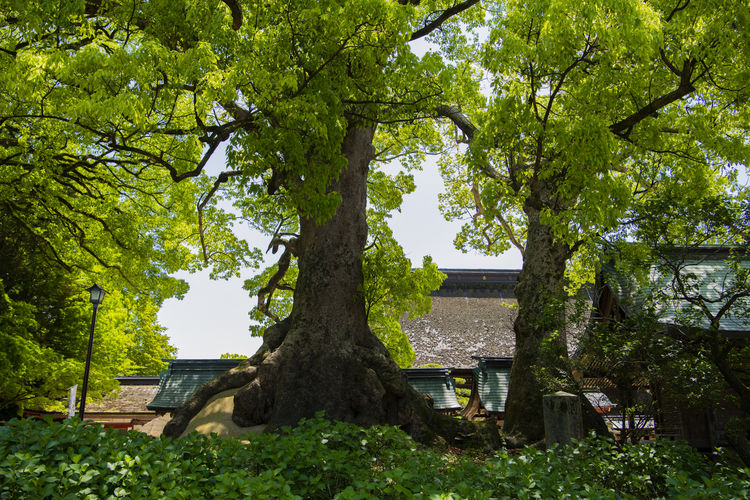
(322,459)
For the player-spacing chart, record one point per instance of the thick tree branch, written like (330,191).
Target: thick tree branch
(459,119)
(511,234)
(236,10)
(624,127)
(681,4)
(444,16)
(290,249)
(469,129)
(236,111)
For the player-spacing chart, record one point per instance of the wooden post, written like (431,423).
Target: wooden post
(72,401)
(562,418)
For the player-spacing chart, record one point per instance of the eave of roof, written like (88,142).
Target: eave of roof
(183,377)
(707,264)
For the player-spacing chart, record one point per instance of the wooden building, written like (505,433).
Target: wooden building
(618,297)
(124,409)
(468,334)
(470,328)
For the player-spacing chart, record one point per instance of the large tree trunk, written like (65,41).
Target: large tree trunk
(324,357)
(542,305)
(540,311)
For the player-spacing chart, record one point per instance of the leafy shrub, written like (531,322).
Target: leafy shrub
(322,459)
(462,393)
(598,468)
(73,460)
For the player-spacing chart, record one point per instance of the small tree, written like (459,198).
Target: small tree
(45,317)
(712,320)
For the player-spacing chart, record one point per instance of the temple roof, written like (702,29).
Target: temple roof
(183,376)
(133,396)
(707,272)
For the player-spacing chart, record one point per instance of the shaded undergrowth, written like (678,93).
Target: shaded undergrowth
(322,459)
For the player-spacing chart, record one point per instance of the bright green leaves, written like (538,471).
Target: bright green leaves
(386,193)
(393,290)
(279,304)
(309,63)
(590,112)
(146,90)
(544,36)
(31,373)
(324,459)
(109,113)
(98,122)
(45,318)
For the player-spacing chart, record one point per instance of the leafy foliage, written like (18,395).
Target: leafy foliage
(391,290)
(110,112)
(229,355)
(45,319)
(566,128)
(323,459)
(594,107)
(689,272)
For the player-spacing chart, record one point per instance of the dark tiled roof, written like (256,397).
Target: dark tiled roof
(458,328)
(138,380)
(496,283)
(472,315)
(133,396)
(179,381)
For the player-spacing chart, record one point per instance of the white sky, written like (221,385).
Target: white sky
(212,319)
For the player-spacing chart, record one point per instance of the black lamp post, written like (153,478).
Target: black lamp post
(97,297)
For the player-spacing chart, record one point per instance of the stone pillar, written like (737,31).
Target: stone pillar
(562,418)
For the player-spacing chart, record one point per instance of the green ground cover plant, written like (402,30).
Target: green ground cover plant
(322,459)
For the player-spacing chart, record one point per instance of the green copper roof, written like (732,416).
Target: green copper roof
(436,382)
(183,376)
(706,272)
(493,377)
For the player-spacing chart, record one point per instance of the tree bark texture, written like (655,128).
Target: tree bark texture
(324,357)
(541,312)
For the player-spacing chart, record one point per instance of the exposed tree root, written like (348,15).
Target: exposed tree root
(239,376)
(361,384)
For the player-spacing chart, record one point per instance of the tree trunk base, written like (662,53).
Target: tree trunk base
(290,378)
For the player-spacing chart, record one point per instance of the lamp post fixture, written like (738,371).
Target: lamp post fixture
(97,297)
